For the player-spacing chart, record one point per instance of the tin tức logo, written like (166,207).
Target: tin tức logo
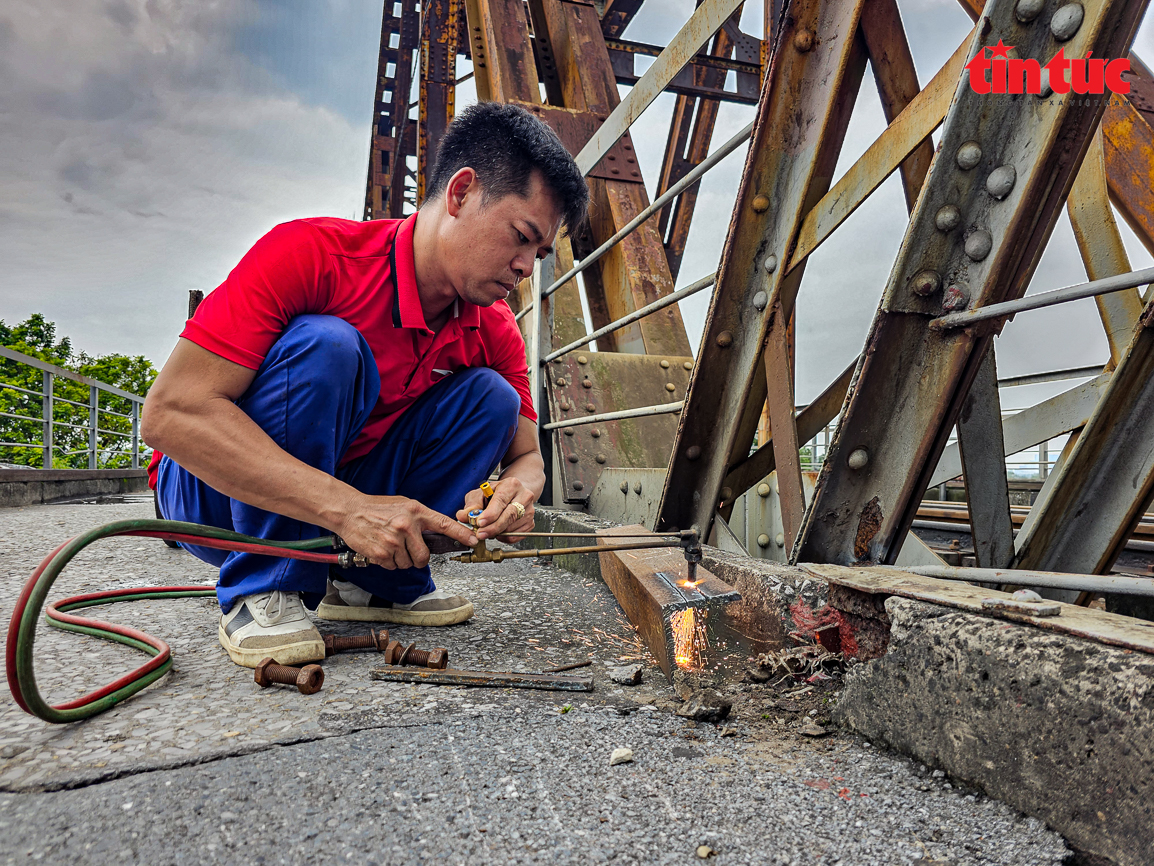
(1000,73)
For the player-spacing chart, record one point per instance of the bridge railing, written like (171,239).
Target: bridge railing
(67,415)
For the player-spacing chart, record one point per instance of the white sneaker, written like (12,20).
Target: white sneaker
(270,624)
(348,602)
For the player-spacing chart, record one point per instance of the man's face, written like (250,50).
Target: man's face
(495,243)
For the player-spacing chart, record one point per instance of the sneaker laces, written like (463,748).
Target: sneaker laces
(284,604)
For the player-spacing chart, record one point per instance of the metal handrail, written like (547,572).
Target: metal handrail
(49,423)
(644,411)
(661,304)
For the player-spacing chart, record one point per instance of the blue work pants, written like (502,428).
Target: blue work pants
(312,394)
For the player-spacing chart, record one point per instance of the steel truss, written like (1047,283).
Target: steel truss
(981,213)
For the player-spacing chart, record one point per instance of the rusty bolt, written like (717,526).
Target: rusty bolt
(969,155)
(568,431)
(664,364)
(589,407)
(803,40)
(1066,21)
(925,283)
(726,494)
(688,365)
(372,641)
(858,458)
(978,244)
(947,218)
(770,264)
(637,488)
(957,297)
(573,458)
(725,339)
(692,452)
(760,203)
(308,679)
(1027,10)
(600,458)
(435,658)
(561,382)
(763,489)
(585,383)
(1001,181)
(393,652)
(581,359)
(577,485)
(624,487)
(763,540)
(670,387)
(595,433)
(760,301)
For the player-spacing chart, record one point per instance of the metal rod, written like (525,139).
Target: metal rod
(1118,283)
(1052,579)
(492,679)
(691,178)
(1051,376)
(667,301)
(500,555)
(680,533)
(524,312)
(663,409)
(569,667)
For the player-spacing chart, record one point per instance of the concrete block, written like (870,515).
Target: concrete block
(1057,726)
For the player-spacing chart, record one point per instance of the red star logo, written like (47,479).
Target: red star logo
(1000,50)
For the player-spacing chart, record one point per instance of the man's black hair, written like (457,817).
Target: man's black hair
(503,144)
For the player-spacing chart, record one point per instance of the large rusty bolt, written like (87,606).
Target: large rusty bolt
(396,654)
(371,641)
(308,679)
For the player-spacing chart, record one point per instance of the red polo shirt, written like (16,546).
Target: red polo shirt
(361,272)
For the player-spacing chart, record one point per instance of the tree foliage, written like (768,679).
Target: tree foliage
(71,410)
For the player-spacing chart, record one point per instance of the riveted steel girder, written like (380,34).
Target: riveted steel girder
(911,382)
(805,106)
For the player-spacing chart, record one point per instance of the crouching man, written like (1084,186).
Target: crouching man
(363,379)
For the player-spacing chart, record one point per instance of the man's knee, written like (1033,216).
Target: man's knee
(340,345)
(492,391)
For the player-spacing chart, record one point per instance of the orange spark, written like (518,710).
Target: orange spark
(689,638)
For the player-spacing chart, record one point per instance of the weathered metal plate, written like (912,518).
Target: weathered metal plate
(482,679)
(610,382)
(649,586)
(1097,625)
(574,128)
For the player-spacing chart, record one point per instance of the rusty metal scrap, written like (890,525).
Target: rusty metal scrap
(483,679)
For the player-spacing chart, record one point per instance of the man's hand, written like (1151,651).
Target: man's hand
(387,530)
(502,518)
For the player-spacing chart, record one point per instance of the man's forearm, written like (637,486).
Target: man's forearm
(226,449)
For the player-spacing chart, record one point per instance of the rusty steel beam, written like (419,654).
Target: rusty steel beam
(393,138)
(1006,166)
(438,82)
(897,83)
(982,449)
(652,585)
(617,15)
(806,102)
(688,82)
(1107,481)
(1101,247)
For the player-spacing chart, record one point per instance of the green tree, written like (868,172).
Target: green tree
(37,337)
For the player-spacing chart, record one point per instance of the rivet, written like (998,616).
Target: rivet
(1066,21)
(577,485)
(969,155)
(726,493)
(637,488)
(1001,181)
(780,539)
(664,364)
(725,339)
(947,218)
(760,203)
(692,452)
(624,488)
(581,359)
(978,244)
(568,431)
(589,407)
(760,301)
(763,540)
(670,387)
(595,433)
(763,489)
(564,405)
(803,40)
(572,458)
(1027,10)
(585,383)
(956,298)
(600,458)
(770,264)
(562,382)
(688,365)
(858,458)
(925,283)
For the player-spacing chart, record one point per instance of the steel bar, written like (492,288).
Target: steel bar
(964,319)
(46,412)
(7,387)
(484,679)
(66,374)
(1006,166)
(657,205)
(1056,580)
(682,533)
(661,409)
(1051,376)
(807,99)
(569,667)
(500,555)
(702,24)
(679,295)
(20,417)
(22,444)
(780,406)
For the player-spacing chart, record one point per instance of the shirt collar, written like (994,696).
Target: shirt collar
(408,307)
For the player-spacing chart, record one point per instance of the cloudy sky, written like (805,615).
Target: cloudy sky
(146,144)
